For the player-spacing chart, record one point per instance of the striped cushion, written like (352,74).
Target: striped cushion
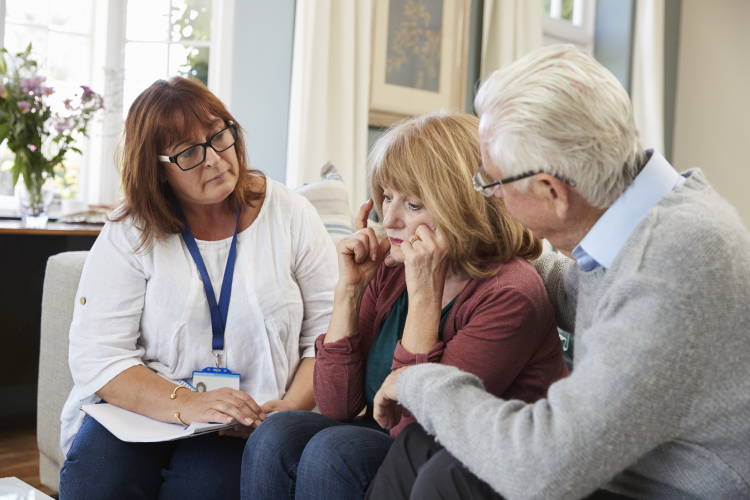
(331,200)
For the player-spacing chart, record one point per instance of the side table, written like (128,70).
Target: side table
(12,488)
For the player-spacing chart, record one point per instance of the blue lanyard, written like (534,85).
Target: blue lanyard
(218,312)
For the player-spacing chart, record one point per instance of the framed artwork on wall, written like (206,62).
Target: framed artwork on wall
(419,58)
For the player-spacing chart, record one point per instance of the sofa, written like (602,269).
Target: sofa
(328,196)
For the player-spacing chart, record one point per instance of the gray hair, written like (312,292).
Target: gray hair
(559,111)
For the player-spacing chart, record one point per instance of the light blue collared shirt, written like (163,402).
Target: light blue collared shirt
(604,241)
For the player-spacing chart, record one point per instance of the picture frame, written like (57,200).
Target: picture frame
(419,58)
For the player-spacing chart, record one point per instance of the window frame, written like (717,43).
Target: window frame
(579,32)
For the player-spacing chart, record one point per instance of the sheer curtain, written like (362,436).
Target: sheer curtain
(512,29)
(330,92)
(647,85)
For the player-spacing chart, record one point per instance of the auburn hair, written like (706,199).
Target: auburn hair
(160,117)
(434,158)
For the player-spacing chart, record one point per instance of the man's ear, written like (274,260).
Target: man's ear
(555,192)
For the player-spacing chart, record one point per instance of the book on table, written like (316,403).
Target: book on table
(136,428)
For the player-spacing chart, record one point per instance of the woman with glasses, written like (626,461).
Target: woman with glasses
(200,302)
(451,283)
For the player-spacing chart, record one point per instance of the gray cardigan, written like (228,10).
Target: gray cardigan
(658,404)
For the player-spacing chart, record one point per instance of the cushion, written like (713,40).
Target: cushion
(331,200)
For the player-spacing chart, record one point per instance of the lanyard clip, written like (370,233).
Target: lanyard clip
(217,355)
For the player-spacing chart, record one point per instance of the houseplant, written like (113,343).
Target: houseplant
(40,127)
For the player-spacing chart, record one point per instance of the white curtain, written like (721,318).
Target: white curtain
(512,29)
(647,85)
(330,92)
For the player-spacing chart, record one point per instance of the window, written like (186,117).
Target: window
(118,48)
(569,21)
(61,35)
(163,40)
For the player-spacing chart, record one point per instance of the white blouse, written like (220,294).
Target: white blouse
(151,308)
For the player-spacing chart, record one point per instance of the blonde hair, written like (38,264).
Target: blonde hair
(434,157)
(559,111)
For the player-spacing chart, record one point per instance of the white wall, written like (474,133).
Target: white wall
(712,116)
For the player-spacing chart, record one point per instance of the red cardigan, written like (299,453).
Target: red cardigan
(501,329)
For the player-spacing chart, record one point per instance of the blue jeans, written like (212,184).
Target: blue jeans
(299,454)
(99,465)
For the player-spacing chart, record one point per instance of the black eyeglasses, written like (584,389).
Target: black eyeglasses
(486,185)
(195,155)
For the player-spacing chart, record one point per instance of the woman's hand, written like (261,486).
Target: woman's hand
(276,405)
(272,406)
(222,406)
(240,431)
(426,264)
(360,254)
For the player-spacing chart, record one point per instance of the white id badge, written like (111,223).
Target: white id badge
(210,378)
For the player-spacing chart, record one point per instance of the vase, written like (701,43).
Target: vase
(34,204)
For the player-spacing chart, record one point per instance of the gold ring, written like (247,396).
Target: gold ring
(413,239)
(177,416)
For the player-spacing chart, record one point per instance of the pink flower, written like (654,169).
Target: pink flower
(32,148)
(47,91)
(3,91)
(67,104)
(32,85)
(64,125)
(87,93)
(24,106)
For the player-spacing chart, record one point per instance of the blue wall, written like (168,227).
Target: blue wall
(261,80)
(613,37)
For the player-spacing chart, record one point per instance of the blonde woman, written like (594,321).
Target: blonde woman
(450,284)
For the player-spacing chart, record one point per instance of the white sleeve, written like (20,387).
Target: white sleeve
(315,269)
(106,318)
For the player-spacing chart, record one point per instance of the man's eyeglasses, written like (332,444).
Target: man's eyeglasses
(195,155)
(486,185)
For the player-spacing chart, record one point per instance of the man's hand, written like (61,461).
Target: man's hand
(387,411)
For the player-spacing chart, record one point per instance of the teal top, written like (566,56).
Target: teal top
(380,357)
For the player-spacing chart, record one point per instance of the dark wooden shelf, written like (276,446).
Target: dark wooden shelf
(53,228)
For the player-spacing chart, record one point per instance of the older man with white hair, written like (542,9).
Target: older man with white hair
(655,285)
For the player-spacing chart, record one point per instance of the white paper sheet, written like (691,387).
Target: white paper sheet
(136,428)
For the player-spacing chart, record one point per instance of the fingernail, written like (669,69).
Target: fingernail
(374,256)
(262,415)
(258,422)
(248,421)
(229,419)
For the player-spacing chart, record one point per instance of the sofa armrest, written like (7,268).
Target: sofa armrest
(55,382)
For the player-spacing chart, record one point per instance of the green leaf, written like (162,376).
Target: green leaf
(3,66)
(19,167)
(4,129)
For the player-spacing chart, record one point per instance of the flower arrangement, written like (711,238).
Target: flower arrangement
(40,127)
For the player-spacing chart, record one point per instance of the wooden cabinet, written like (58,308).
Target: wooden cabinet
(23,260)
